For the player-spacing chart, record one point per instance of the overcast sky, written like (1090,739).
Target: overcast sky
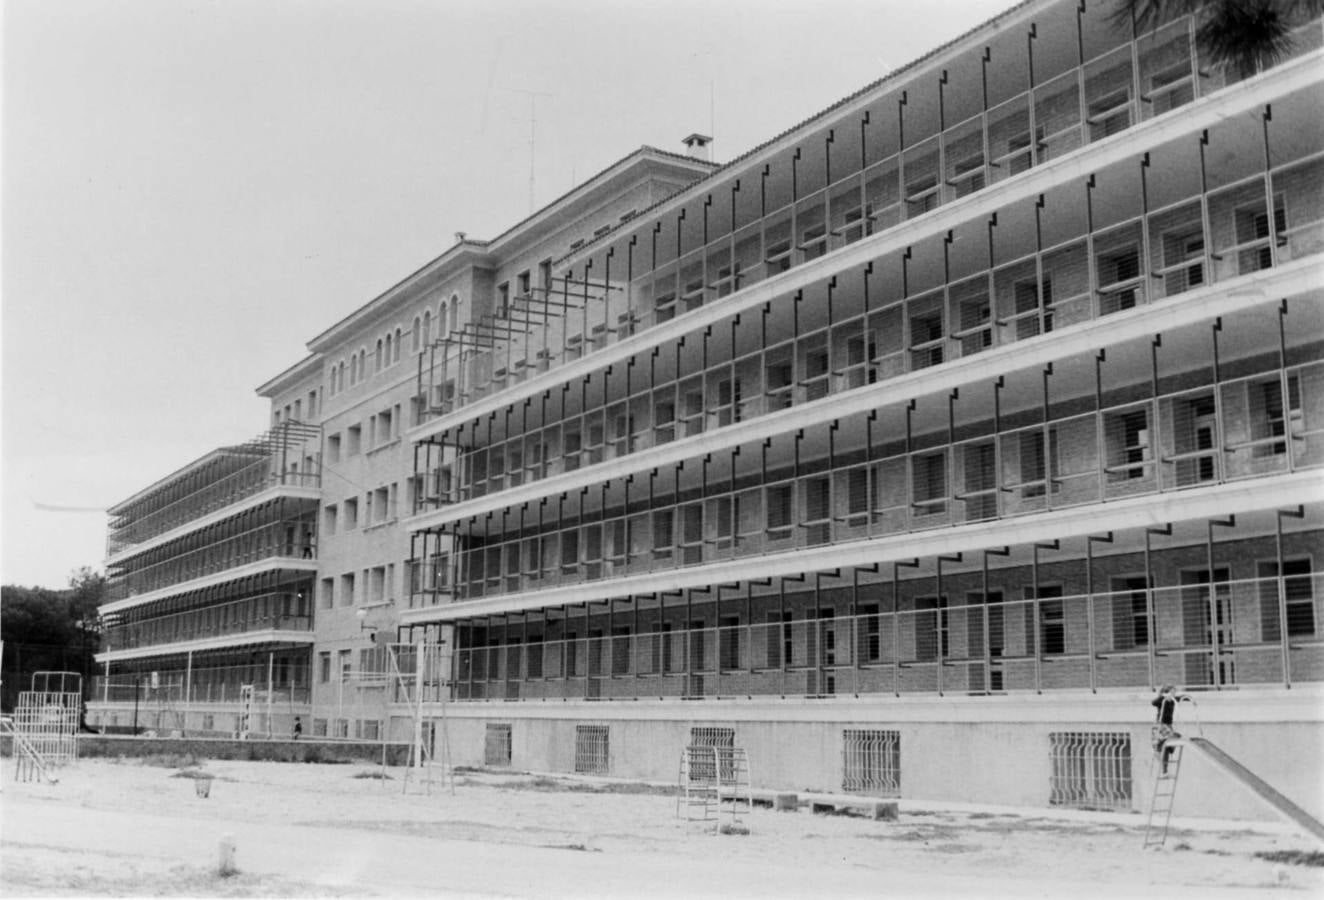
(192,190)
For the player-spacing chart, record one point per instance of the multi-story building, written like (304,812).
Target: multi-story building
(208,622)
(925,439)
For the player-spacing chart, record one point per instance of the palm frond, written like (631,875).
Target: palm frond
(1246,35)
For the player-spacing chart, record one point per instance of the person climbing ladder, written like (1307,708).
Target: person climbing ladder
(1165,705)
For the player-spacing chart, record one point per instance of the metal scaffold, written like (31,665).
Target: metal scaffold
(411,675)
(45,725)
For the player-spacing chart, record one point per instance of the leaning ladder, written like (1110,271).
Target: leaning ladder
(1160,802)
(707,774)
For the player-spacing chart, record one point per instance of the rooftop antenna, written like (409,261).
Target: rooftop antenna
(533,130)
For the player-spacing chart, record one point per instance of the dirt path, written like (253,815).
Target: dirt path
(129,829)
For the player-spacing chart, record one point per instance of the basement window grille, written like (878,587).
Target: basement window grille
(871,762)
(1090,769)
(702,765)
(591,749)
(496,745)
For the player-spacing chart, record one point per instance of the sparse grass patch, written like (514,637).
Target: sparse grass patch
(375,775)
(728,828)
(170,760)
(1293,857)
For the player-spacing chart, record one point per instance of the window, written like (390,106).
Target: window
(353,440)
(871,762)
(868,629)
(1252,226)
(968,174)
(779,512)
(1127,436)
(1130,612)
(1032,316)
(858,496)
(931,635)
(1110,114)
(929,487)
(381,506)
(1269,418)
(1090,770)
(427,329)
(327,595)
(779,640)
(926,337)
(1052,619)
(525,283)
(351,517)
(1299,596)
(502,299)
(663,520)
(378,357)
(592,749)
(329,519)
(1171,87)
(661,649)
(1183,259)
(344,665)
(496,744)
(728,644)
(1118,274)
(1038,474)
(347,589)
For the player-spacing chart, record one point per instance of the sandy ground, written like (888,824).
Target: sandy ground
(138,829)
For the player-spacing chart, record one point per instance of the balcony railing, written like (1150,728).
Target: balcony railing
(1062,285)
(1219,433)
(1086,104)
(1268,631)
(223,555)
(283,612)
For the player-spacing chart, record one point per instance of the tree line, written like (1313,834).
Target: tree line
(49,630)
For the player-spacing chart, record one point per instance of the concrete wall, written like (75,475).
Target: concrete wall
(987,750)
(305,751)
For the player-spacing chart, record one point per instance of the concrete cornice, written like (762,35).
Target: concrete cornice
(270,564)
(220,515)
(221,642)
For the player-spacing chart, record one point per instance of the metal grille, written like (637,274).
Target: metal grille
(591,749)
(701,765)
(496,745)
(871,762)
(49,722)
(1091,769)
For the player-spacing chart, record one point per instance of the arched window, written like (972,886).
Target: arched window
(427,328)
(363,364)
(455,312)
(441,321)
(377,357)
(341,381)
(397,346)
(388,348)
(415,336)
